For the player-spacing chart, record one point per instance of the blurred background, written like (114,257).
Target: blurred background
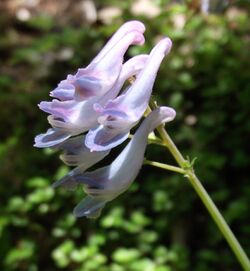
(160,223)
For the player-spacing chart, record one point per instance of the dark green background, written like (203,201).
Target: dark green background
(160,223)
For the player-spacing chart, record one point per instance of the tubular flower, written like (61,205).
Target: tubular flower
(72,112)
(105,184)
(119,115)
(73,117)
(101,74)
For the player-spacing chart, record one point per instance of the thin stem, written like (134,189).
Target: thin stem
(207,201)
(155,141)
(165,166)
(167,141)
(220,221)
(171,146)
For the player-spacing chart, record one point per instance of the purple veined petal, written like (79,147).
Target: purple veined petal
(60,109)
(72,117)
(50,138)
(99,77)
(102,139)
(105,184)
(132,104)
(70,110)
(69,128)
(105,136)
(64,91)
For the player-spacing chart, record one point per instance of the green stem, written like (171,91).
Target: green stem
(207,201)
(171,146)
(220,221)
(165,166)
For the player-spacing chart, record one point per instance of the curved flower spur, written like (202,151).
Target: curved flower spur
(100,76)
(103,71)
(118,116)
(106,183)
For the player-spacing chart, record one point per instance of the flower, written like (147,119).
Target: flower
(119,115)
(103,71)
(72,112)
(106,183)
(72,117)
(94,101)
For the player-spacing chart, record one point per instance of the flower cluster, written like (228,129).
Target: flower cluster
(93,113)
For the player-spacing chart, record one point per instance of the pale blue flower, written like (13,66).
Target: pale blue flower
(101,74)
(72,112)
(94,101)
(105,184)
(118,116)
(73,117)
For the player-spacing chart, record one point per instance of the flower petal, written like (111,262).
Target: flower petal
(89,207)
(101,139)
(64,91)
(75,153)
(50,138)
(77,176)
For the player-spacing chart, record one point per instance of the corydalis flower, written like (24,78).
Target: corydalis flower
(105,184)
(90,101)
(74,117)
(101,74)
(118,116)
(73,113)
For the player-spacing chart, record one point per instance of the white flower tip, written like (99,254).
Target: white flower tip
(167,113)
(139,39)
(135,25)
(164,45)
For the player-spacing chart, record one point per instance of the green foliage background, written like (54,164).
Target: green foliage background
(159,224)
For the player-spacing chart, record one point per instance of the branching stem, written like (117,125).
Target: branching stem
(165,166)
(187,168)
